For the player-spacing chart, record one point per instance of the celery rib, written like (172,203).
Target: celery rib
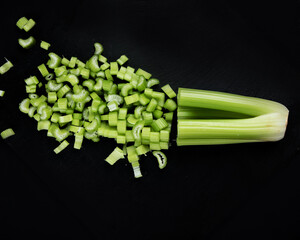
(209,118)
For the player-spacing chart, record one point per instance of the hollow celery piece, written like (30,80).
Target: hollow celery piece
(161,159)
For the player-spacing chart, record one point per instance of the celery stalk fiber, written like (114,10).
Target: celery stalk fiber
(210,118)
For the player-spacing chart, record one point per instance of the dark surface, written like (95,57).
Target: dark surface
(215,192)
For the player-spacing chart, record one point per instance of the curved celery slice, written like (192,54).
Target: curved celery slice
(161,158)
(98,48)
(27,43)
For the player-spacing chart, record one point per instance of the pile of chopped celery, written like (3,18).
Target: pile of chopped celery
(97,98)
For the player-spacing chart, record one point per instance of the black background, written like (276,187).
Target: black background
(213,192)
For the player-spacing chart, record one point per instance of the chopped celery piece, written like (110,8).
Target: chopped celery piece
(169,91)
(43,70)
(142,149)
(45,45)
(152,105)
(21,22)
(5,67)
(43,125)
(122,60)
(78,141)
(7,133)
(143,73)
(122,113)
(98,48)
(61,146)
(136,169)
(151,82)
(161,158)
(131,98)
(116,155)
(29,25)
(159,124)
(170,104)
(114,68)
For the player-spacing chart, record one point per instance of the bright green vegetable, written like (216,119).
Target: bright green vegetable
(123,59)
(169,91)
(21,22)
(72,62)
(98,48)
(29,25)
(61,146)
(5,67)
(27,43)
(170,104)
(93,64)
(152,105)
(151,82)
(114,68)
(7,133)
(78,141)
(266,119)
(136,168)
(45,45)
(116,155)
(54,60)
(43,125)
(143,73)
(43,70)
(161,158)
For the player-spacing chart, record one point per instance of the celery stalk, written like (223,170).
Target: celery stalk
(206,118)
